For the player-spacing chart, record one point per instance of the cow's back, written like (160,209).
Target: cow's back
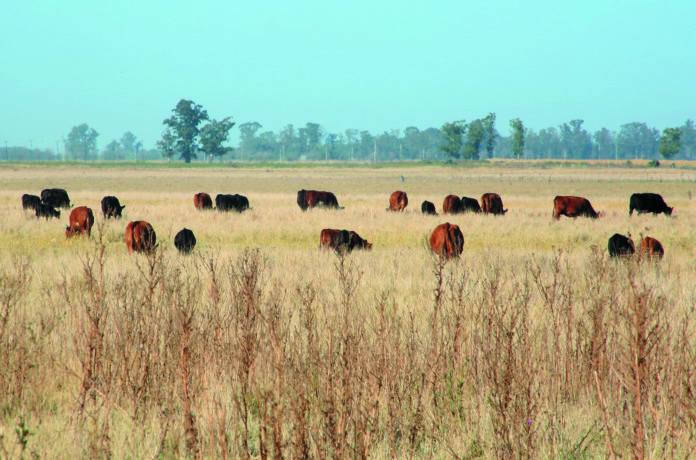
(452,204)
(447,240)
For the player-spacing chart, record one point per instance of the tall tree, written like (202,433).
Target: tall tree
(452,135)
(167,144)
(184,127)
(688,139)
(213,135)
(474,138)
(576,141)
(491,135)
(128,141)
(636,140)
(82,140)
(670,142)
(518,132)
(604,144)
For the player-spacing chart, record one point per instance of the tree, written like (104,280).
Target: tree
(213,135)
(82,140)
(576,141)
(517,137)
(474,137)
(128,141)
(670,142)
(637,140)
(604,144)
(167,144)
(452,134)
(688,139)
(184,127)
(247,136)
(490,133)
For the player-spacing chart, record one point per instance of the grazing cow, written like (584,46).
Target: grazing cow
(447,240)
(398,201)
(30,202)
(47,211)
(651,247)
(111,207)
(342,240)
(491,203)
(238,203)
(428,208)
(185,241)
(470,205)
(620,245)
(140,237)
(311,198)
(55,197)
(202,201)
(81,221)
(648,202)
(452,205)
(573,206)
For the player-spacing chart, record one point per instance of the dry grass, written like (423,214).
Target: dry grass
(533,344)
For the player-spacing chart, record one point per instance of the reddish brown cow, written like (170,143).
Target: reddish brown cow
(140,237)
(331,238)
(398,201)
(491,203)
(81,221)
(202,201)
(452,205)
(572,206)
(651,247)
(307,199)
(447,240)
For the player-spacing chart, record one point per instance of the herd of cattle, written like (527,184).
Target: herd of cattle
(446,239)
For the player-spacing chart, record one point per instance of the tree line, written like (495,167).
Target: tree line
(190,134)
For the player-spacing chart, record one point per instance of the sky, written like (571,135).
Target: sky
(368,65)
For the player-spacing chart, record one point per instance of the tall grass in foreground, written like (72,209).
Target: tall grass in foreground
(225,357)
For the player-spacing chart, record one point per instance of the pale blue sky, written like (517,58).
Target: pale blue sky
(369,65)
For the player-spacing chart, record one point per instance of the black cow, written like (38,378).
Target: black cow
(648,202)
(428,208)
(30,202)
(620,245)
(470,204)
(47,211)
(185,241)
(238,203)
(111,207)
(55,197)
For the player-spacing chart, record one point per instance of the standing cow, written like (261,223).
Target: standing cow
(471,205)
(620,245)
(140,237)
(428,208)
(491,203)
(111,207)
(55,197)
(573,206)
(651,247)
(30,202)
(447,240)
(236,202)
(44,210)
(81,222)
(185,241)
(398,201)
(452,205)
(307,199)
(202,201)
(648,202)
(342,240)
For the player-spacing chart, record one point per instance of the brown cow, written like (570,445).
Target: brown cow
(491,203)
(452,205)
(447,240)
(651,247)
(398,201)
(307,199)
(140,237)
(202,201)
(81,221)
(572,206)
(331,238)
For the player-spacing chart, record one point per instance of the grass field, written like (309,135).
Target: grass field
(533,344)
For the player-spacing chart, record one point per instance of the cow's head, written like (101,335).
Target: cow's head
(669,211)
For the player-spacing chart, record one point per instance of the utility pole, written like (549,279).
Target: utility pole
(374,156)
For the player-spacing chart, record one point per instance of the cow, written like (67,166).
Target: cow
(44,210)
(140,237)
(651,247)
(30,202)
(342,240)
(398,201)
(452,205)
(185,241)
(55,197)
(238,203)
(470,205)
(428,208)
(111,207)
(573,206)
(202,201)
(447,240)
(491,203)
(307,199)
(648,202)
(620,245)
(81,222)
